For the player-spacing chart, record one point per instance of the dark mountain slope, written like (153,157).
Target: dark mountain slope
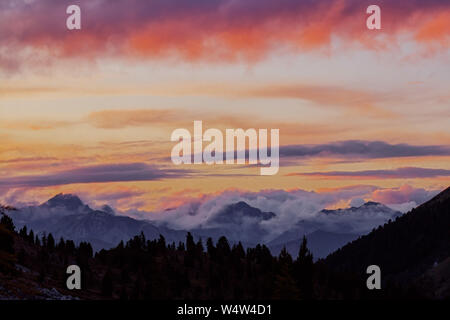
(321,243)
(404,249)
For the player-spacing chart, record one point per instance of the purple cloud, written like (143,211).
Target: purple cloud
(400,173)
(155,28)
(95,174)
(363,149)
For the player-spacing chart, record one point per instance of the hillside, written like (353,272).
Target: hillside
(405,249)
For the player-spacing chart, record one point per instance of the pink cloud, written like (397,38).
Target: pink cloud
(212,30)
(404,194)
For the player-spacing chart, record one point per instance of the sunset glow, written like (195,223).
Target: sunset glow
(91,111)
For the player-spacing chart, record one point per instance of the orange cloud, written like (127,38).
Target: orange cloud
(436,29)
(355,100)
(220,30)
(399,173)
(113,119)
(35,125)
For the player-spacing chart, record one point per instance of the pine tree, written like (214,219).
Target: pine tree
(199,247)
(50,242)
(284,257)
(37,241)
(210,249)
(31,236)
(23,232)
(6,240)
(190,244)
(62,244)
(304,270)
(7,222)
(223,247)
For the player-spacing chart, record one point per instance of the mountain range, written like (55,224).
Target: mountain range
(66,216)
(412,252)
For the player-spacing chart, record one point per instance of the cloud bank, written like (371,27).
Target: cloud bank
(94,174)
(363,150)
(299,208)
(400,173)
(209,30)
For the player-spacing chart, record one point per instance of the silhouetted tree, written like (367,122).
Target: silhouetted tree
(7,222)
(304,270)
(23,232)
(50,242)
(31,236)
(210,249)
(37,241)
(6,240)
(190,244)
(223,247)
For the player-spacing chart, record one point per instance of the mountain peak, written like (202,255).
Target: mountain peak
(68,201)
(239,205)
(242,209)
(371,203)
(108,209)
(366,207)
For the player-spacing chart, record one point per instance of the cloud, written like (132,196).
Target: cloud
(36,125)
(400,173)
(289,207)
(209,30)
(94,174)
(403,207)
(114,197)
(118,195)
(403,194)
(363,149)
(356,100)
(178,118)
(114,119)
(354,149)
(436,29)
(296,208)
(28,159)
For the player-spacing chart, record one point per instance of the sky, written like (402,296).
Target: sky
(91,111)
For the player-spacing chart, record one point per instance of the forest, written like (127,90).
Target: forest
(413,253)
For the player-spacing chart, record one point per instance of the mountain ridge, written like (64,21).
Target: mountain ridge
(65,215)
(405,248)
